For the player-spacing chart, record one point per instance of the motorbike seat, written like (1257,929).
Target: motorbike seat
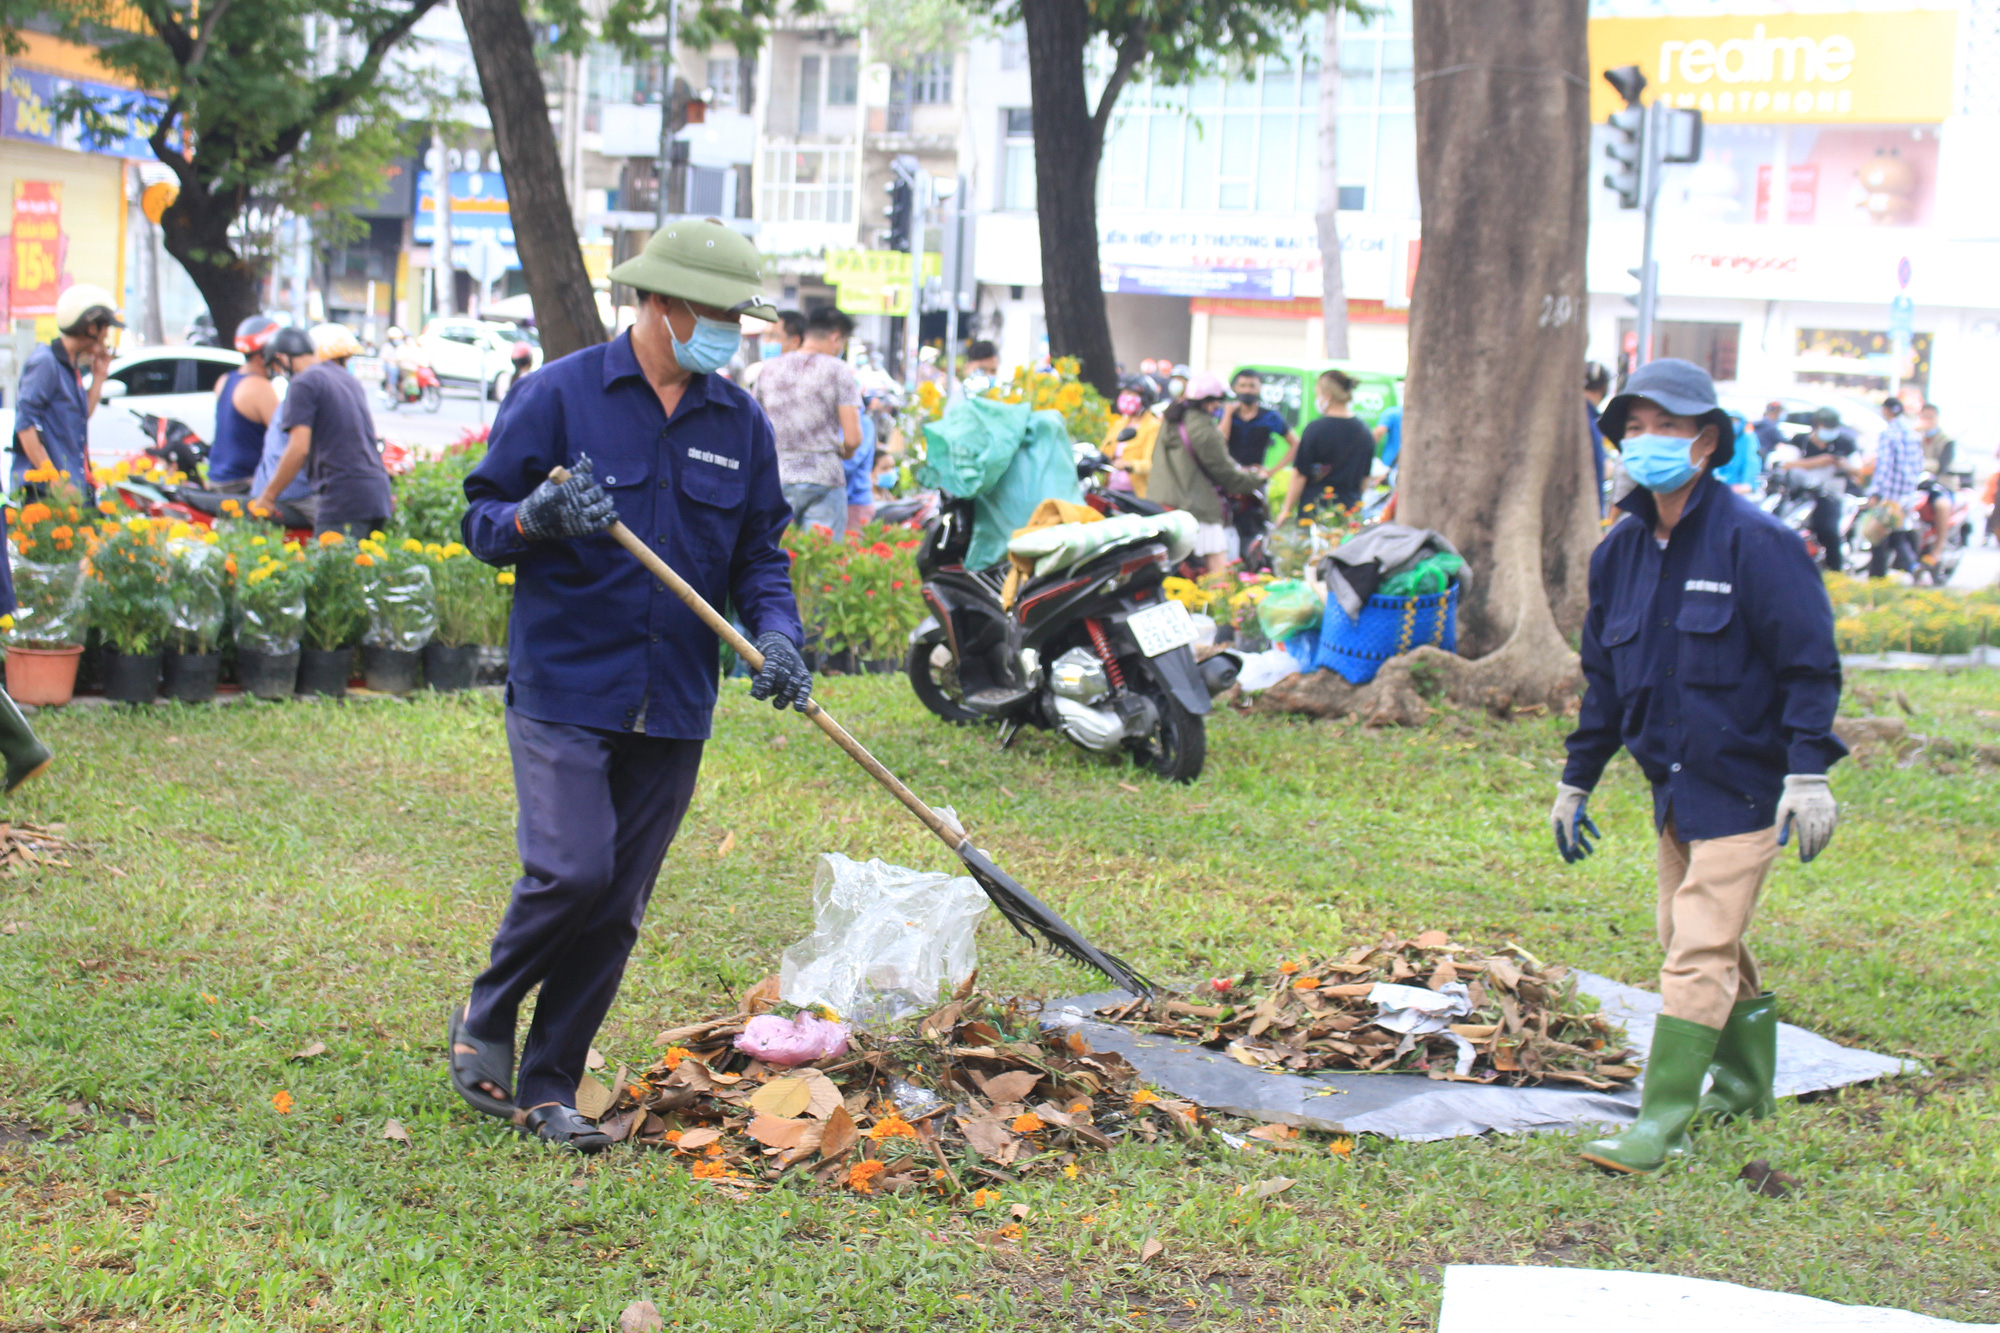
(1063,574)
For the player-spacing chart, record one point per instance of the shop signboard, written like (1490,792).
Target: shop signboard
(37,249)
(875,282)
(31,102)
(478,208)
(1247,256)
(1867,67)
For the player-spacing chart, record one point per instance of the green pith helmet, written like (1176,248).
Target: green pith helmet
(704,262)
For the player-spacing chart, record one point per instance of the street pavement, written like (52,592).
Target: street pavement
(1979,569)
(426,433)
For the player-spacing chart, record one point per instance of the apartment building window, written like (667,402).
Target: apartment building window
(1377,125)
(809,95)
(843,80)
(812,183)
(1017,168)
(926,82)
(722,81)
(1014,47)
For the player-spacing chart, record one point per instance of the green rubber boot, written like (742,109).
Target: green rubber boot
(1746,1062)
(1674,1071)
(25,755)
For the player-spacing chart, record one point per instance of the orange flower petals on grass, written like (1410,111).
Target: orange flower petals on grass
(1144,1097)
(1030,1123)
(861,1176)
(709,1169)
(894,1127)
(282,1100)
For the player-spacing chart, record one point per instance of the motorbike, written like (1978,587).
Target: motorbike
(414,384)
(913,510)
(1944,528)
(177,448)
(174,446)
(1093,471)
(1096,652)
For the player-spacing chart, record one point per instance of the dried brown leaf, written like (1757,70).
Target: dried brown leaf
(839,1134)
(393,1129)
(308,1052)
(593,1099)
(1149,1249)
(728,843)
(641,1317)
(774,1132)
(695,1139)
(593,1059)
(785,1098)
(1013,1086)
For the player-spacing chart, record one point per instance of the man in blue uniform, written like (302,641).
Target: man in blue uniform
(1708,653)
(611,679)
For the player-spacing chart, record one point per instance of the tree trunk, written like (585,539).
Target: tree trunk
(503,50)
(1333,287)
(195,230)
(1496,451)
(1068,143)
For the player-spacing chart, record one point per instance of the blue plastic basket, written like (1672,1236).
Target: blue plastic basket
(1388,626)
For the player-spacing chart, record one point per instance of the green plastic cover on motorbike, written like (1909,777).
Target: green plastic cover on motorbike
(1006,458)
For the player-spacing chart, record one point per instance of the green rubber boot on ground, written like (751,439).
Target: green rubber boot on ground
(1674,1072)
(1746,1062)
(25,755)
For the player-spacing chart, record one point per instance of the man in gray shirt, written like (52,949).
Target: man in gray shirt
(814,402)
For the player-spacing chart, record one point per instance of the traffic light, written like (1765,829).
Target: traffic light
(1680,135)
(1626,145)
(899,211)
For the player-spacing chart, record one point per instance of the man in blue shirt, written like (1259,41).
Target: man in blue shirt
(1892,492)
(1389,435)
(52,412)
(1708,653)
(859,469)
(612,679)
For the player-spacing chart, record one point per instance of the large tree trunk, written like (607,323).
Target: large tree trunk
(503,50)
(1333,287)
(1068,143)
(195,230)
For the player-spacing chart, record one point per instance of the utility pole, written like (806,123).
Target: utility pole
(918,181)
(443,300)
(1645,137)
(665,163)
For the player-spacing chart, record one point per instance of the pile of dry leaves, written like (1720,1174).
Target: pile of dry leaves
(1521,1021)
(24,846)
(974,1094)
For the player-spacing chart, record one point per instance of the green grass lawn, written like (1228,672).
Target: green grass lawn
(264,877)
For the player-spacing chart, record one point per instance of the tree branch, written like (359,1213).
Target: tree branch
(337,93)
(172,34)
(208,28)
(173,157)
(1131,49)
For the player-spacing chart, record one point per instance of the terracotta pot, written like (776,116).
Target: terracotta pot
(42,676)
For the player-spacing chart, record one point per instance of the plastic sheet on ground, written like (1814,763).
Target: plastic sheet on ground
(885,940)
(1405,1106)
(1064,545)
(1493,1298)
(1263,670)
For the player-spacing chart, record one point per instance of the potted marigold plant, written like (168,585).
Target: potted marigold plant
(464,586)
(402,613)
(45,633)
(199,571)
(127,598)
(270,614)
(496,604)
(336,614)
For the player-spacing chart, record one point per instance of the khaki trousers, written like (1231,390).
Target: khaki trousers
(1708,890)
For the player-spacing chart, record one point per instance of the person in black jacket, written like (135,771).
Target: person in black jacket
(1334,455)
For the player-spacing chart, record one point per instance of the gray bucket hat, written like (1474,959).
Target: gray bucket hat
(1681,387)
(701,261)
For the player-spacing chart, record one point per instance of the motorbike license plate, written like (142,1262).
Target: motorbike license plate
(1161,628)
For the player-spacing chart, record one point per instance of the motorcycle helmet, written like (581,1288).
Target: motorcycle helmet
(254,335)
(84,309)
(1826,419)
(395,334)
(1205,385)
(285,344)
(334,342)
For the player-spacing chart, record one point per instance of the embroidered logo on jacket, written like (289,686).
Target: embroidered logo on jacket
(1708,585)
(704,456)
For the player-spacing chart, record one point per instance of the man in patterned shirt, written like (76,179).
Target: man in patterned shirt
(814,402)
(1899,462)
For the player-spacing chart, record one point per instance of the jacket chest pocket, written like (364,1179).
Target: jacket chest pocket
(1712,649)
(1621,645)
(711,509)
(624,480)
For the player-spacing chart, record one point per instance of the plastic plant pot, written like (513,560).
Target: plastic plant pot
(131,678)
(324,671)
(268,675)
(191,678)
(390,670)
(449,668)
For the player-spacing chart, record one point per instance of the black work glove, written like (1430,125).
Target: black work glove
(783,679)
(576,507)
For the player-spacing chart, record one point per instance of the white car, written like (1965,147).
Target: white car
(470,352)
(176,382)
(1860,415)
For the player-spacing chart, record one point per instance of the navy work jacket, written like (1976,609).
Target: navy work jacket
(595,640)
(1712,661)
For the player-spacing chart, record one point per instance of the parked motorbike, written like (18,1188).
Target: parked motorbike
(913,510)
(177,448)
(1944,528)
(415,384)
(174,446)
(1096,652)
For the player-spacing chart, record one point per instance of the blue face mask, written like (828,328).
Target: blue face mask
(710,347)
(768,351)
(1660,463)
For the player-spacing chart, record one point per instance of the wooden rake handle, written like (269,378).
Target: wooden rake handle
(728,633)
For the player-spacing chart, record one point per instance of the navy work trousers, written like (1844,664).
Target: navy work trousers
(598,809)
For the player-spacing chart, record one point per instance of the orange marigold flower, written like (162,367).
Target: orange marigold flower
(673,1136)
(1028,1123)
(62,533)
(895,1127)
(1341,1147)
(1288,967)
(1144,1097)
(229,565)
(709,1170)
(1012,1231)
(364,560)
(861,1176)
(283,1101)
(1306,983)
(331,538)
(36,513)
(674,1055)
(980,1198)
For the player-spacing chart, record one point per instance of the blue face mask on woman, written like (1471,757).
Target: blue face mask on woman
(711,345)
(1660,463)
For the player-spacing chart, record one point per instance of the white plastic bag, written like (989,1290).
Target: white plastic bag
(885,940)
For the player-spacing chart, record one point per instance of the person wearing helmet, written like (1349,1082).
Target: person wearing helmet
(1191,463)
(245,402)
(330,435)
(52,407)
(611,679)
(288,353)
(1708,653)
(1826,452)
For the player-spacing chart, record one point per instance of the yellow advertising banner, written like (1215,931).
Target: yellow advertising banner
(1853,67)
(875,282)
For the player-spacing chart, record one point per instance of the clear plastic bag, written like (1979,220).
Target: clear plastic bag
(49,597)
(885,940)
(196,594)
(1289,607)
(270,609)
(402,607)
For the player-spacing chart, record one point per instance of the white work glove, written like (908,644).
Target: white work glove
(1808,802)
(1571,823)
